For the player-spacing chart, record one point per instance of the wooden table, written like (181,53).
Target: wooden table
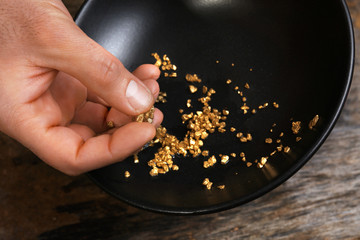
(321,201)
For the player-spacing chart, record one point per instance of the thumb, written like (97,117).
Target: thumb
(65,47)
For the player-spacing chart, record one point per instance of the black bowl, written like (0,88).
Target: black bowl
(297,53)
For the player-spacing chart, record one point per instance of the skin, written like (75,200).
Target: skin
(58,88)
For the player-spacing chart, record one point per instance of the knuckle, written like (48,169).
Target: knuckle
(72,171)
(110,69)
(73,168)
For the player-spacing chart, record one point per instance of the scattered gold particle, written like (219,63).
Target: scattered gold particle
(276,105)
(243,139)
(286,149)
(224,159)
(240,93)
(110,124)
(273,153)
(228,81)
(242,154)
(248,164)
(232,129)
(262,162)
(278,141)
(136,158)
(244,99)
(253,111)
(233,154)
(296,126)
(161,97)
(263,106)
(207,183)
(279,148)
(211,92)
(221,187)
(175,167)
(192,88)
(205,153)
(204,89)
(146,117)
(127,174)
(268,140)
(210,162)
(245,108)
(192,78)
(188,103)
(313,122)
(158,62)
(247,86)
(217,61)
(154,172)
(225,112)
(298,139)
(236,88)
(173,74)
(281,134)
(181,110)
(250,69)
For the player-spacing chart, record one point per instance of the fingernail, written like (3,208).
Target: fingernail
(138,95)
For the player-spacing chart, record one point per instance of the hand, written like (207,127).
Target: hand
(56,86)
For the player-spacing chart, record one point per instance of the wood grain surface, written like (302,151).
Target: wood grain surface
(321,201)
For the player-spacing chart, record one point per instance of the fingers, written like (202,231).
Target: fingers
(147,71)
(95,115)
(119,119)
(149,75)
(75,156)
(92,115)
(68,49)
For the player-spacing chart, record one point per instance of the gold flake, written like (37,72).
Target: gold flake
(296,126)
(136,158)
(110,124)
(192,78)
(313,122)
(224,159)
(286,149)
(192,88)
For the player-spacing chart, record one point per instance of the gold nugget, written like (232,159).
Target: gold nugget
(224,159)
(192,88)
(313,122)
(192,78)
(146,117)
(296,126)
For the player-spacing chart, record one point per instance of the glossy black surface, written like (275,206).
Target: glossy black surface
(301,56)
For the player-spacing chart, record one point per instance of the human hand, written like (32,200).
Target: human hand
(56,86)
